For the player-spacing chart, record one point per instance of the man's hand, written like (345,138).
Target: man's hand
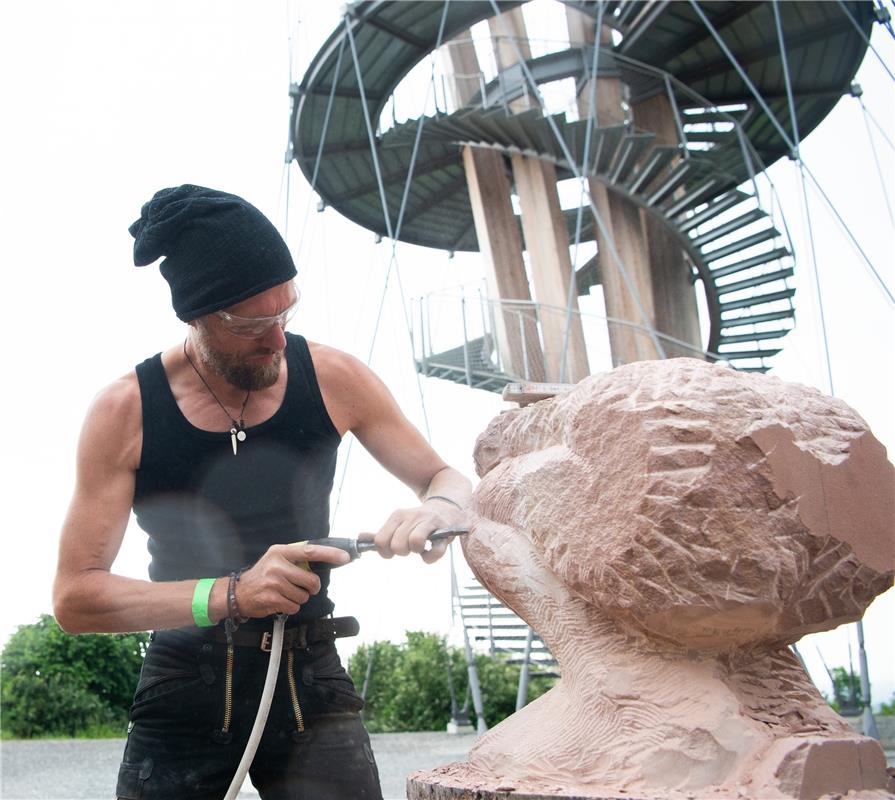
(407,531)
(278,584)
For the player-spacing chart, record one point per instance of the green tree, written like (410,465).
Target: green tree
(499,681)
(408,688)
(846,691)
(385,657)
(54,705)
(56,684)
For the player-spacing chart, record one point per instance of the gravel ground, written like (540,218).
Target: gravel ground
(86,769)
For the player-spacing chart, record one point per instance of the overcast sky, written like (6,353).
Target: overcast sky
(106,102)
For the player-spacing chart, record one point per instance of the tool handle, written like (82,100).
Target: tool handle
(354,547)
(350,546)
(364,545)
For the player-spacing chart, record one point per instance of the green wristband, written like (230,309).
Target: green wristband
(200,602)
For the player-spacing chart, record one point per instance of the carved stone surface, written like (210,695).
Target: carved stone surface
(668,528)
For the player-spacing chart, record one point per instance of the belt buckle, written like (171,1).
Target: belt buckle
(265,641)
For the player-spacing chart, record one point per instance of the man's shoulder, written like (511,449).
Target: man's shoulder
(348,386)
(332,364)
(112,431)
(118,400)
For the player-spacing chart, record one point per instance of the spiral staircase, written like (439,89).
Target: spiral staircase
(699,189)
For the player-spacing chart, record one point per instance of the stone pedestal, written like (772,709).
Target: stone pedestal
(454,782)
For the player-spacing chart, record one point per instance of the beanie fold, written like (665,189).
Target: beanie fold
(218,248)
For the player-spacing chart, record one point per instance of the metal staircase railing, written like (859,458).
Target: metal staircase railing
(500,342)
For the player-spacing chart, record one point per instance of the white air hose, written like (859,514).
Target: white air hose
(270,682)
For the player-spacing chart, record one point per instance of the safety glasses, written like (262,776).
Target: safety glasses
(255,327)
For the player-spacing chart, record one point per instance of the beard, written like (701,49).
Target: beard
(234,369)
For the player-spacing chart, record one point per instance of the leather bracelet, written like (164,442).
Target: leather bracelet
(232,604)
(444,499)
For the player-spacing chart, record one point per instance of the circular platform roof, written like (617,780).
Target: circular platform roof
(823,52)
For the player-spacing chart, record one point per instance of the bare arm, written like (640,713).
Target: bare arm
(360,402)
(88,597)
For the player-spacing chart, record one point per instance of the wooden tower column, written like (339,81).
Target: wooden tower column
(675,301)
(497,231)
(622,220)
(544,228)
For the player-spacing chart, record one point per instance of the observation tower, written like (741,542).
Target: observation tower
(672,113)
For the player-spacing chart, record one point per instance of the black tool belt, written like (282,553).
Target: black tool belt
(325,629)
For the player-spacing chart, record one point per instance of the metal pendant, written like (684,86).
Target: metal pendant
(236,435)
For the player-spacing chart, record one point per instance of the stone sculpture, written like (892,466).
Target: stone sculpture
(669,528)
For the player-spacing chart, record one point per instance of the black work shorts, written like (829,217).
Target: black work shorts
(188,727)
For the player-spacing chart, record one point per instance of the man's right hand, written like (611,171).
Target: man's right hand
(279,583)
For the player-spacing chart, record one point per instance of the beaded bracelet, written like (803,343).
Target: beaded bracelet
(232,604)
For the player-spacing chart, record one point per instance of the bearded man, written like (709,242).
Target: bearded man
(224,447)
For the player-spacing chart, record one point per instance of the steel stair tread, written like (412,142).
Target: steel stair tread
(488,127)
(755,280)
(708,136)
(697,115)
(721,204)
(486,382)
(757,300)
(629,152)
(749,354)
(771,316)
(748,263)
(515,133)
(650,168)
(755,336)
(753,215)
(742,244)
(705,191)
(672,181)
(606,146)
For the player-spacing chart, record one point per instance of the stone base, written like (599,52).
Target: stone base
(815,768)
(458,782)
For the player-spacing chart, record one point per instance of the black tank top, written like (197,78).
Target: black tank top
(208,512)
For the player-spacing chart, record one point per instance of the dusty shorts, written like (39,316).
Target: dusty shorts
(188,727)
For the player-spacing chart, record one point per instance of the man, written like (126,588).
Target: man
(224,447)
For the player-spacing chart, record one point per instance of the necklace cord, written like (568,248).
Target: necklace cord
(238,425)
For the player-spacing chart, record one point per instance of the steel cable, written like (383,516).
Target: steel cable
(592,122)
(392,234)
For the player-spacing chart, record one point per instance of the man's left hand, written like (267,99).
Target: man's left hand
(407,531)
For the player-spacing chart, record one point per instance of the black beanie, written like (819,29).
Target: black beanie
(219,250)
